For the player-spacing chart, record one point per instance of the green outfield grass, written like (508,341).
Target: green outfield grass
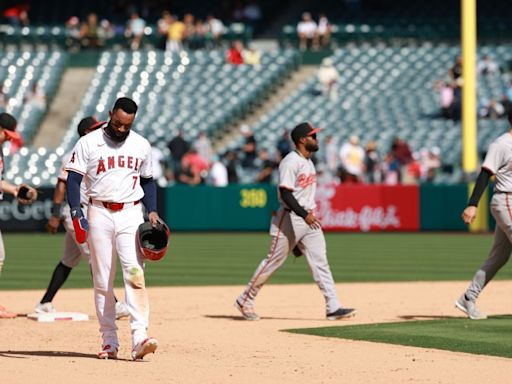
(485,337)
(230,258)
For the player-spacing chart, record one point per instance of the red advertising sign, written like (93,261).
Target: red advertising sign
(353,207)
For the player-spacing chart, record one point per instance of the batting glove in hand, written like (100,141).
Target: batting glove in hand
(80,224)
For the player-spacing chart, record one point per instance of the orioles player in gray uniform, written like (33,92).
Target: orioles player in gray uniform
(497,162)
(294,225)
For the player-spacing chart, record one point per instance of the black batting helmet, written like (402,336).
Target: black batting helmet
(153,240)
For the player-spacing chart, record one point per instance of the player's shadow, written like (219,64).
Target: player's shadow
(240,318)
(25,354)
(427,317)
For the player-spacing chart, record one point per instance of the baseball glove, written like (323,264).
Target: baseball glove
(296,251)
(26,194)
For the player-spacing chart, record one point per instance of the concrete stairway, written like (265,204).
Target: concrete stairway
(66,102)
(297,78)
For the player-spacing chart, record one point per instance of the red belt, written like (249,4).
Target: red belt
(116,206)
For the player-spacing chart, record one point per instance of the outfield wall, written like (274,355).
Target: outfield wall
(250,207)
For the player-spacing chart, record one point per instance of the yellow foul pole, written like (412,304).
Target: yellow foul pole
(469,155)
(469,145)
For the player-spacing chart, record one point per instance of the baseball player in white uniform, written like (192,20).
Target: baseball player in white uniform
(7,132)
(498,163)
(73,251)
(294,225)
(115,165)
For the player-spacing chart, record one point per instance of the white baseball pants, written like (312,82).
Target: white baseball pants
(112,232)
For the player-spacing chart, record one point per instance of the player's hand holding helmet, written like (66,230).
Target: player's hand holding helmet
(26,194)
(153,240)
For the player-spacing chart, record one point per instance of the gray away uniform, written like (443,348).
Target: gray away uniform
(498,161)
(297,174)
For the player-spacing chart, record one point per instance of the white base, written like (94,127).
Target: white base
(58,316)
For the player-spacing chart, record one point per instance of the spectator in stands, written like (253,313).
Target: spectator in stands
(307,31)
(89,32)
(401,151)
(194,169)
(456,71)
(3,96)
(17,15)
(508,92)
(373,163)
(73,34)
(178,146)
(249,148)
(491,109)
(324,31)
(235,54)
(197,40)
(232,167)
(487,66)
(218,175)
(352,159)
(158,165)
(175,35)
(215,31)
(432,163)
(203,147)
(190,29)
(446,98)
(35,97)
(163,25)
(135,31)
(266,167)
(251,56)
(331,154)
(252,14)
(391,170)
(284,145)
(328,78)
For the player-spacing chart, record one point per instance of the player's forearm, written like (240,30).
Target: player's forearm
(73,189)
(149,199)
(292,202)
(480,185)
(58,198)
(7,187)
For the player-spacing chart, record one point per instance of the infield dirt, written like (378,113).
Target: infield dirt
(203,339)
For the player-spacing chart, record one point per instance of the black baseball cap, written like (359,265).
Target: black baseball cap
(87,123)
(8,123)
(303,130)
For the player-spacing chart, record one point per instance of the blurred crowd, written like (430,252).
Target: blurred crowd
(195,162)
(449,91)
(133,24)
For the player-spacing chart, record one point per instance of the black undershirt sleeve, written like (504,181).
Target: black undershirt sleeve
(480,185)
(292,202)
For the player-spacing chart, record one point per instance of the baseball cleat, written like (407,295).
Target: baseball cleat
(247,312)
(45,308)
(341,313)
(121,310)
(146,346)
(108,352)
(469,308)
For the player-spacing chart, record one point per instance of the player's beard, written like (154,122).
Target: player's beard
(311,147)
(118,137)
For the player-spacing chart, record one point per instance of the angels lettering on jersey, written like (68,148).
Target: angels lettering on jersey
(113,162)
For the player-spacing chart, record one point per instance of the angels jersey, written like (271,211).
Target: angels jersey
(113,170)
(298,174)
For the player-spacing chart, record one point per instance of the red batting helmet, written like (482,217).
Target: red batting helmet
(153,240)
